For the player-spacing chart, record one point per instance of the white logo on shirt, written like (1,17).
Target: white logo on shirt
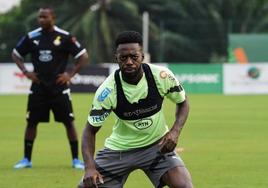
(45,55)
(36,42)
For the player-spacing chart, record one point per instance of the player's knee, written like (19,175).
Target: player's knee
(80,185)
(178,178)
(31,125)
(184,184)
(68,124)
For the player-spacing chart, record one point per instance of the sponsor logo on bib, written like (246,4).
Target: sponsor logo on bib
(143,124)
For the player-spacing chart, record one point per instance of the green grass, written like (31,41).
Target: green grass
(225,143)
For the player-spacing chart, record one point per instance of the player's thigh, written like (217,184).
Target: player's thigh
(158,164)
(37,108)
(62,108)
(113,167)
(177,177)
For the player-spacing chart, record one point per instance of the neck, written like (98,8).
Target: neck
(49,29)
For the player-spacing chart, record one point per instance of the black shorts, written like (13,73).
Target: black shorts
(39,106)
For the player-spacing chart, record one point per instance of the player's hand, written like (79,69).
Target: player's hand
(168,142)
(32,76)
(63,78)
(91,178)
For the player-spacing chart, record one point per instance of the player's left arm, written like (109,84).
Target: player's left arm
(81,58)
(170,140)
(175,92)
(79,63)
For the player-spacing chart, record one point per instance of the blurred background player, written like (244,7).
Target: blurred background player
(49,47)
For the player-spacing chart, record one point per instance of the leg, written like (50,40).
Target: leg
(63,112)
(37,111)
(177,177)
(72,137)
(30,131)
(165,169)
(29,137)
(114,166)
(62,109)
(71,131)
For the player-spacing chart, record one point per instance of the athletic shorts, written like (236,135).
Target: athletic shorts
(115,166)
(39,106)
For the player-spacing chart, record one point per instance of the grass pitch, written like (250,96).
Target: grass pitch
(224,143)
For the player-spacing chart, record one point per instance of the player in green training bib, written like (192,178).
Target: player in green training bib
(140,138)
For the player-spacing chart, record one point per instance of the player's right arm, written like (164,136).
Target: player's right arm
(30,75)
(91,176)
(102,104)
(23,47)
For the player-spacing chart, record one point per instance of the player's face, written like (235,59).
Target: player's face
(46,19)
(129,57)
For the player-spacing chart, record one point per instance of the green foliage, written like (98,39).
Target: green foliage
(9,33)
(180,31)
(248,16)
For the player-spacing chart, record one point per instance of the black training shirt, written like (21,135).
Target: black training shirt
(49,54)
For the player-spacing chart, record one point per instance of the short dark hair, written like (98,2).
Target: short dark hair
(50,8)
(128,37)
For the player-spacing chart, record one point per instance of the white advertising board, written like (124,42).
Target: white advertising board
(249,78)
(12,80)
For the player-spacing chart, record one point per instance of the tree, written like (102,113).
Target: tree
(180,31)
(246,16)
(190,30)
(100,22)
